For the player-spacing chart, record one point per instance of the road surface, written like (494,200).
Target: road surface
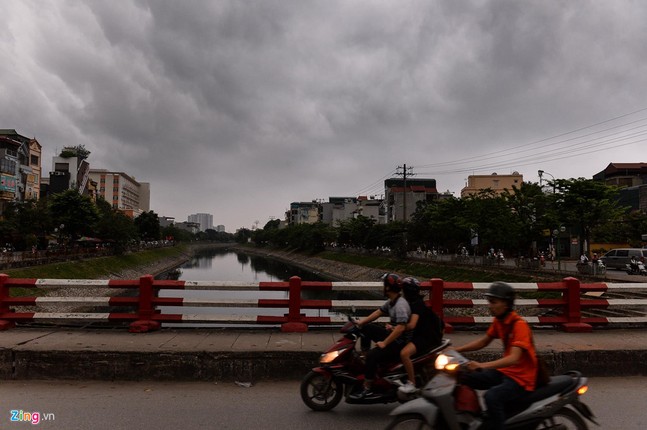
(619,403)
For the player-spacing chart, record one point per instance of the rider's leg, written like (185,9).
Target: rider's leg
(498,396)
(372,332)
(405,356)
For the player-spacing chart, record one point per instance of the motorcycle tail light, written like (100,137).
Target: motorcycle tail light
(583,389)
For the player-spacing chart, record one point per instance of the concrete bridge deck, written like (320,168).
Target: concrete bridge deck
(252,355)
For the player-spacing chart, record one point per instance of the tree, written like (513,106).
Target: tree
(355,231)
(528,208)
(442,223)
(114,226)
(148,226)
(29,223)
(75,151)
(585,204)
(73,214)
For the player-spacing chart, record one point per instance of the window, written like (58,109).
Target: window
(34,160)
(7,166)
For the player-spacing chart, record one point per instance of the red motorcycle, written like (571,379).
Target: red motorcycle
(341,374)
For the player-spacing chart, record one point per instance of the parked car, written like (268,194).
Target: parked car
(618,258)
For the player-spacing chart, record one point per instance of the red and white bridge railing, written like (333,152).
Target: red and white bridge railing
(145,309)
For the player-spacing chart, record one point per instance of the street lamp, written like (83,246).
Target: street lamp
(556,233)
(541,173)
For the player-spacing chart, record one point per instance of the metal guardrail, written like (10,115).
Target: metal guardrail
(567,303)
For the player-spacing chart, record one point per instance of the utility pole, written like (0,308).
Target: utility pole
(404,171)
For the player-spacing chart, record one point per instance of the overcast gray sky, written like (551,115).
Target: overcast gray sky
(237,108)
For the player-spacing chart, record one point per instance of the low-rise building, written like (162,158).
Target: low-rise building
(402,196)
(632,178)
(494,182)
(20,168)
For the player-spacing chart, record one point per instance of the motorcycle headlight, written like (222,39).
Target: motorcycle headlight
(441,361)
(445,362)
(331,356)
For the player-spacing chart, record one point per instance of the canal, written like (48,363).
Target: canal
(218,264)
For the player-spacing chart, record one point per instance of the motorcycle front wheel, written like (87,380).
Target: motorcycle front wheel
(408,422)
(321,392)
(568,418)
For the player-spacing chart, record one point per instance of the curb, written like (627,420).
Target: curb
(252,366)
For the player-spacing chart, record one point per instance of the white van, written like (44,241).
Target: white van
(617,258)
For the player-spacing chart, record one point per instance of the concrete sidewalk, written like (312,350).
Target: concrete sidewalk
(251,355)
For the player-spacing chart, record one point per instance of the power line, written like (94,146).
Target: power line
(533,144)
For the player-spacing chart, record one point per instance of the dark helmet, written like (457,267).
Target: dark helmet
(392,281)
(501,290)
(410,287)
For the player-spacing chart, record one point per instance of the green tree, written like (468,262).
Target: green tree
(72,214)
(177,234)
(114,226)
(148,226)
(28,223)
(629,229)
(528,208)
(355,231)
(585,204)
(442,224)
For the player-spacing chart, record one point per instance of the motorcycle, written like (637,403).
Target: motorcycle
(446,404)
(636,269)
(341,374)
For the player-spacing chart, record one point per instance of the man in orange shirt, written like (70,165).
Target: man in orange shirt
(510,378)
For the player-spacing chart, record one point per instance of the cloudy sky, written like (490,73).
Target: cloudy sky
(237,108)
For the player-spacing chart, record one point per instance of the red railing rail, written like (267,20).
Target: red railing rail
(565,299)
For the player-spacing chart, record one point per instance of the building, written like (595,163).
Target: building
(632,178)
(122,191)
(166,221)
(20,168)
(204,220)
(304,213)
(402,196)
(192,227)
(70,171)
(494,182)
(220,228)
(338,209)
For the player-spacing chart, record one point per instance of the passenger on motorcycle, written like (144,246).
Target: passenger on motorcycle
(512,377)
(427,329)
(633,263)
(390,339)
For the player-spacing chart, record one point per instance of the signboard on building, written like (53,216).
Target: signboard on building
(7,183)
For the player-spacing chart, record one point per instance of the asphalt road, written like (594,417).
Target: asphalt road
(619,403)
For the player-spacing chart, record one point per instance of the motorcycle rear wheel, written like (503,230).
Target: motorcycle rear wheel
(408,422)
(320,392)
(567,417)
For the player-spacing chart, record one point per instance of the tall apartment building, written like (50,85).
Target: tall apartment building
(122,191)
(495,182)
(20,168)
(204,220)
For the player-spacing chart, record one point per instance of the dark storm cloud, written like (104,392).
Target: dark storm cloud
(238,108)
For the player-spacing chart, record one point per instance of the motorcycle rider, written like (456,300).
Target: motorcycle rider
(633,263)
(427,330)
(512,377)
(390,339)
